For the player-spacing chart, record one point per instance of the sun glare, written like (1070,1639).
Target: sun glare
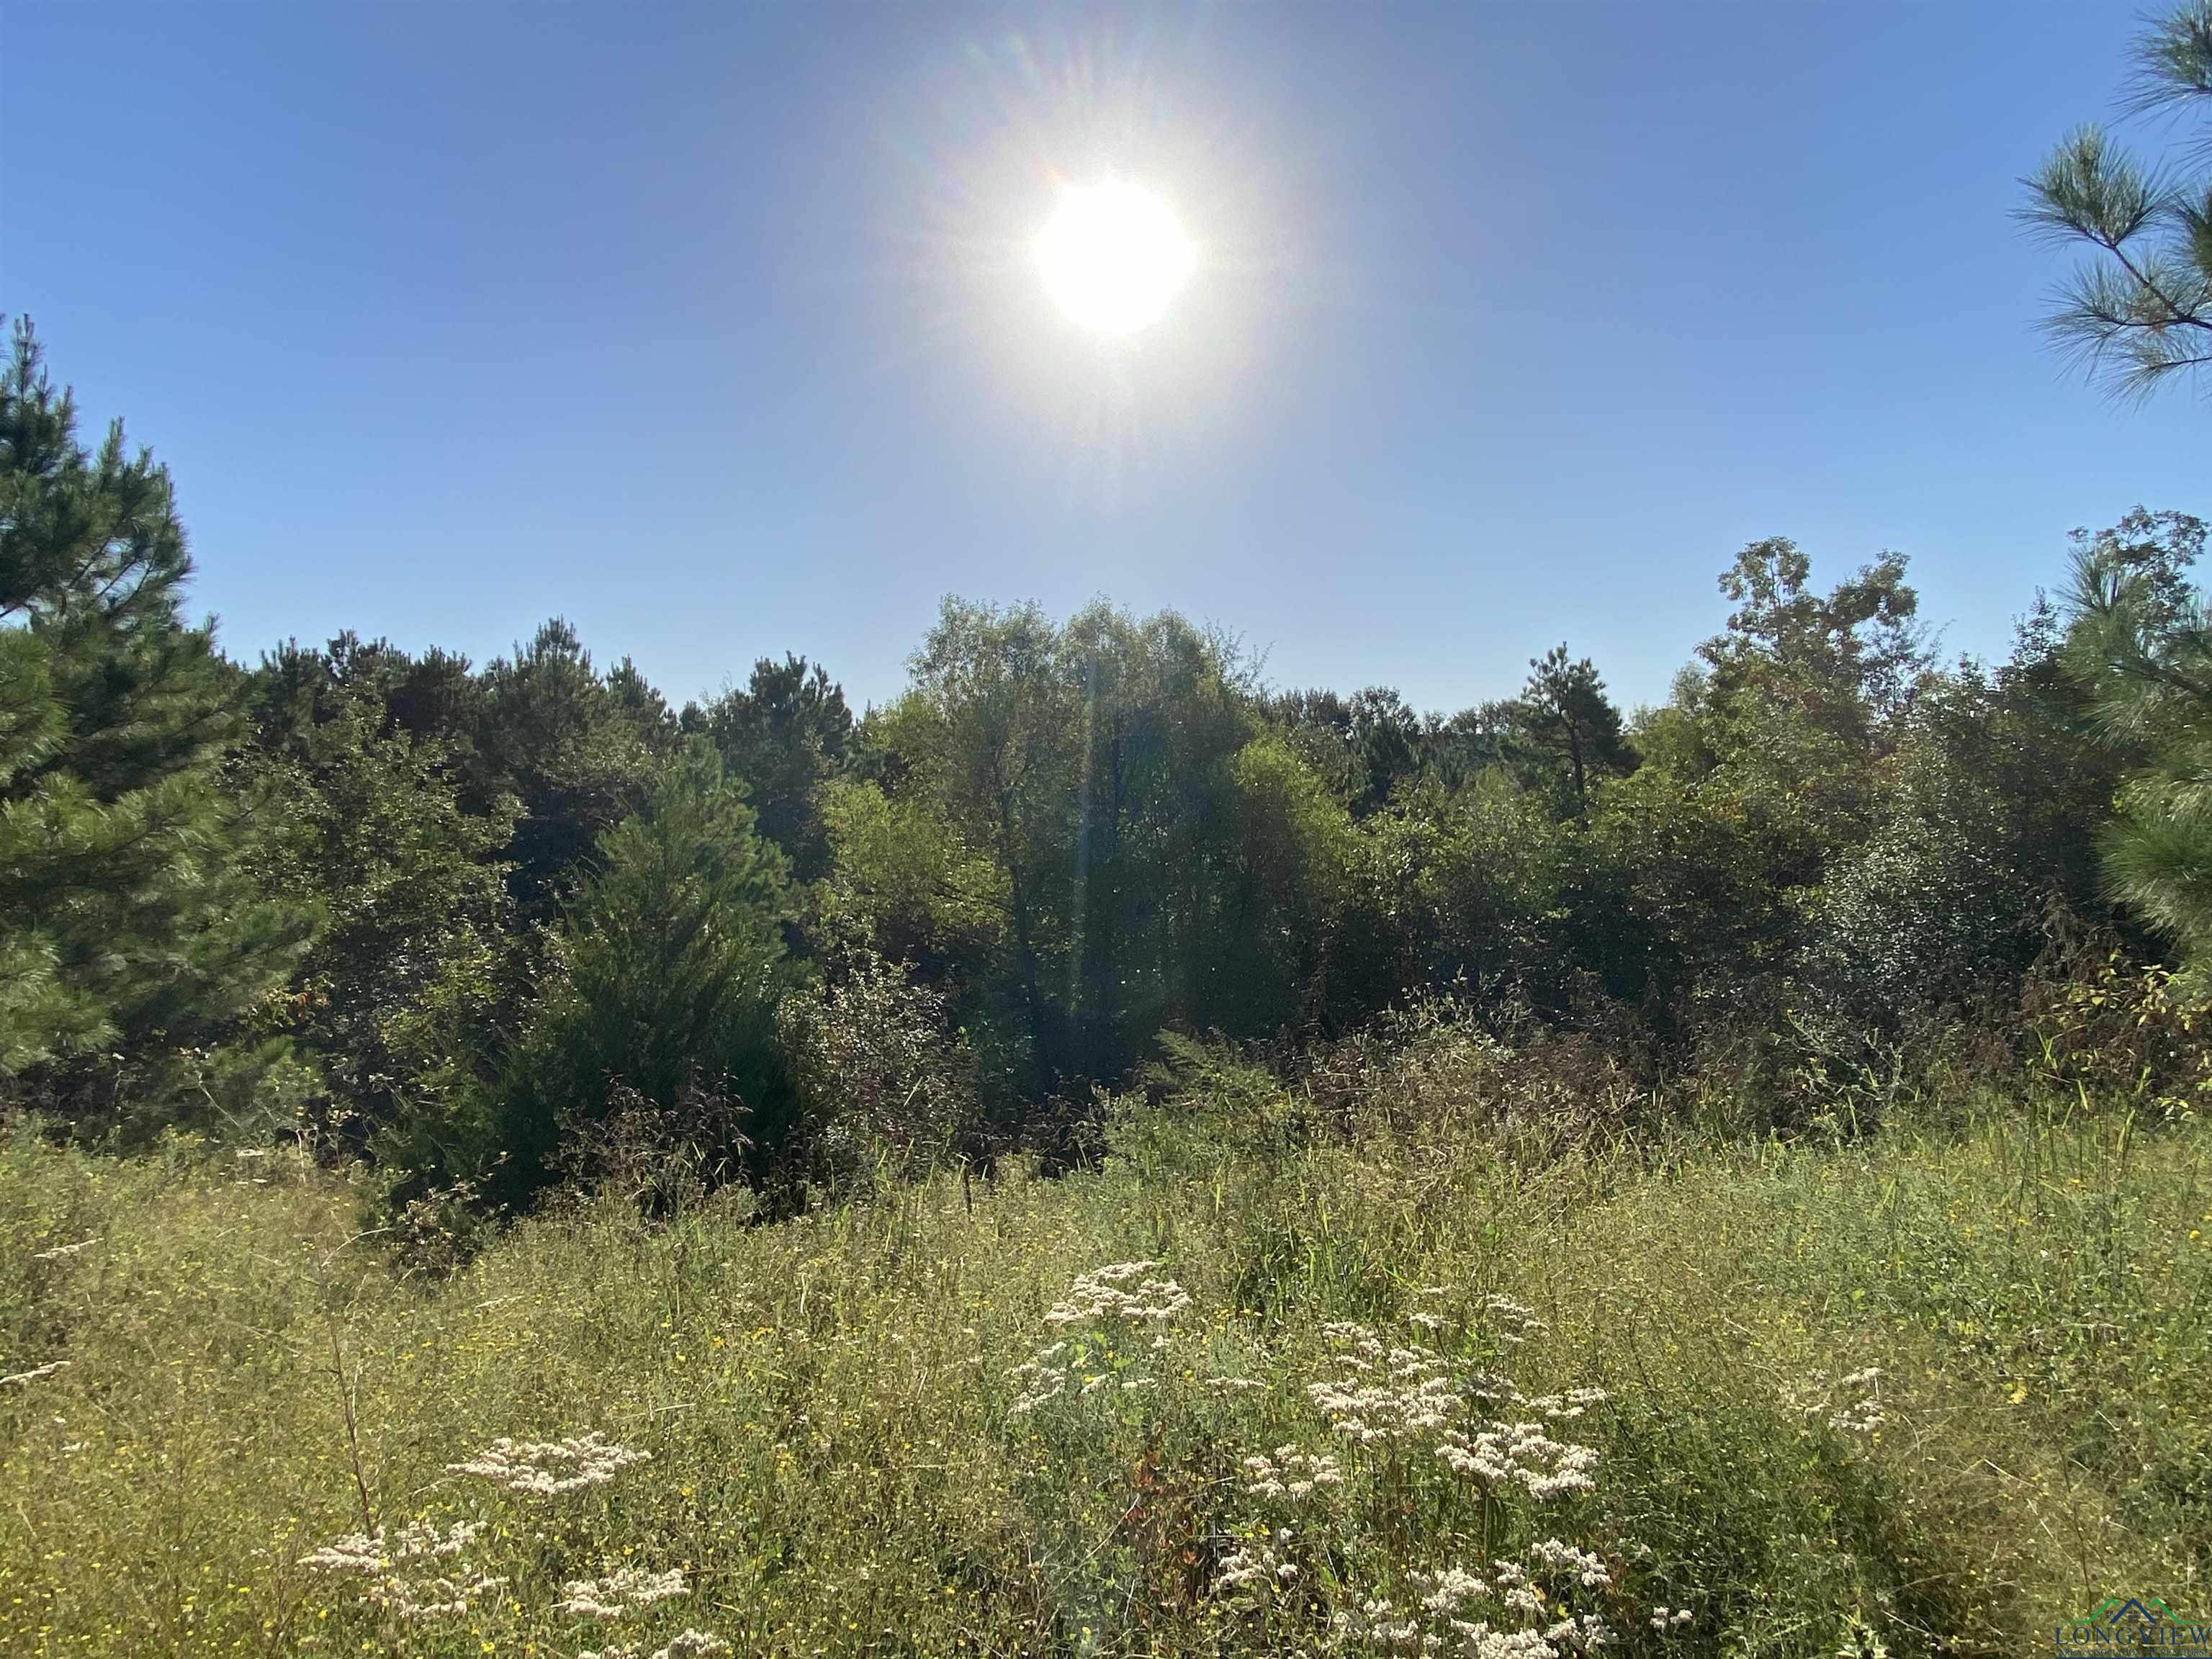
(1113,256)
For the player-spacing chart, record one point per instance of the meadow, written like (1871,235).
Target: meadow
(1240,1384)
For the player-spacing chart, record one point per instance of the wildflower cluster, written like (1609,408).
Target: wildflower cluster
(1043,1377)
(1099,1296)
(1386,1399)
(1289,1473)
(1520,1454)
(545,1468)
(419,1572)
(686,1644)
(1253,1572)
(1863,1415)
(1122,1295)
(403,1572)
(1380,1393)
(1515,1323)
(1519,1611)
(1230,1385)
(620,1592)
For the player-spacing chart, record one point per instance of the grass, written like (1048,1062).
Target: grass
(836,1467)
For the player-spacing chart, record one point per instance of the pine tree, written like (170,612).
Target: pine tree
(671,967)
(2140,645)
(1569,717)
(128,923)
(2138,312)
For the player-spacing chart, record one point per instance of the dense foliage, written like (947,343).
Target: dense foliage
(489,927)
(132,930)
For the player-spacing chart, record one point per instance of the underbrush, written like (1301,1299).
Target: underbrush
(1241,1389)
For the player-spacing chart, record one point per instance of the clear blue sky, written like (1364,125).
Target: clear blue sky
(711,328)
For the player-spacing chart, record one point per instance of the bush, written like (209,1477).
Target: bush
(878,1078)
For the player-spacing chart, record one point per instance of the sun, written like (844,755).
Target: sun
(1113,256)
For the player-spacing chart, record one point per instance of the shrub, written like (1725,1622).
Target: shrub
(876,1073)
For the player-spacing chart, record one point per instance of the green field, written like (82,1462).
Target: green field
(1932,1393)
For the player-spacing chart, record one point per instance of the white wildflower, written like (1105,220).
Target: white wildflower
(1378,1622)
(1516,1323)
(372,1551)
(1411,1395)
(1256,1571)
(357,1551)
(419,1539)
(1042,1378)
(1817,1397)
(689,1645)
(426,1598)
(1525,1598)
(1291,1473)
(1585,1631)
(1571,1404)
(1521,1454)
(1589,1571)
(1483,1642)
(1100,1296)
(1450,1589)
(546,1467)
(620,1592)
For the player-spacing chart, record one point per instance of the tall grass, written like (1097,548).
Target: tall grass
(1932,1393)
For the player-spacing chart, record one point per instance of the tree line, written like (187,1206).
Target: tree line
(491,926)
(472,922)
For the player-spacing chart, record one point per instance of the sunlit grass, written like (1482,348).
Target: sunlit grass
(834,1466)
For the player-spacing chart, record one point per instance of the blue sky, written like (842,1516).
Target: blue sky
(712,329)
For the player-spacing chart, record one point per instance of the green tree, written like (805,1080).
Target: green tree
(1570,718)
(1364,744)
(129,920)
(2140,644)
(2138,312)
(1291,851)
(992,726)
(668,969)
(375,828)
(1452,887)
(787,734)
(574,748)
(1095,767)
(1765,768)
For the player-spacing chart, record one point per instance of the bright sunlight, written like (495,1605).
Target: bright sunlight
(1113,256)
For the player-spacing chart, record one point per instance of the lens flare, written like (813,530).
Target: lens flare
(1113,256)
